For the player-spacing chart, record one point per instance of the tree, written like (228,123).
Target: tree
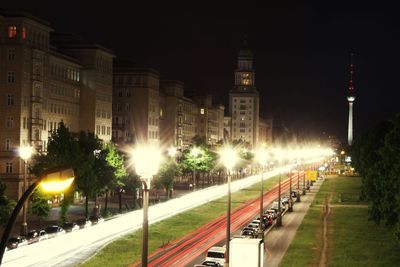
(376,156)
(6,205)
(115,160)
(40,203)
(166,175)
(87,180)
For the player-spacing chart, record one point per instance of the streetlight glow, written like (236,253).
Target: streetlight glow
(228,157)
(146,160)
(25,152)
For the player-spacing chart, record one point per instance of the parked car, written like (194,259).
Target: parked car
(70,227)
(32,237)
(253,225)
(249,232)
(96,219)
(43,235)
(272,213)
(83,223)
(285,199)
(54,230)
(15,242)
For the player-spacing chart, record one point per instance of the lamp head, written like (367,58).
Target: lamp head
(25,152)
(57,180)
(146,159)
(228,157)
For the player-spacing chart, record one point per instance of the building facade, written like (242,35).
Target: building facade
(210,124)
(244,101)
(43,84)
(136,106)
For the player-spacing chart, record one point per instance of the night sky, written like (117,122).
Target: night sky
(302,52)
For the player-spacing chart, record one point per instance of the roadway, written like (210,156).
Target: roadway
(191,249)
(73,248)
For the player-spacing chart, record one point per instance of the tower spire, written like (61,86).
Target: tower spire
(351,83)
(350,98)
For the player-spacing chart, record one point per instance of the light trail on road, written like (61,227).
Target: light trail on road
(185,250)
(73,248)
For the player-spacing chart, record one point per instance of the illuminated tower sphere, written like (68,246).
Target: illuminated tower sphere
(350,99)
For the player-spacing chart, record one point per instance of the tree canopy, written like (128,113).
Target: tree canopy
(376,156)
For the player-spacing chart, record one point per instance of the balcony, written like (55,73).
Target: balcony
(117,126)
(37,77)
(36,122)
(37,144)
(36,99)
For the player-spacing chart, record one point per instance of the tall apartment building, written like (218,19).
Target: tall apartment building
(265,131)
(136,105)
(179,115)
(210,120)
(42,85)
(244,101)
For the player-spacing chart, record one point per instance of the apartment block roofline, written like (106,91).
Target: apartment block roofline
(72,41)
(23,14)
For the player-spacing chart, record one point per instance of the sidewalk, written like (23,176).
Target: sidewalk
(278,239)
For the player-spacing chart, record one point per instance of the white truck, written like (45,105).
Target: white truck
(247,252)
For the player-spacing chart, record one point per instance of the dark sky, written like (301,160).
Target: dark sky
(302,52)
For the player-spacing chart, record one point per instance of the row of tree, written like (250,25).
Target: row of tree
(101,169)
(376,156)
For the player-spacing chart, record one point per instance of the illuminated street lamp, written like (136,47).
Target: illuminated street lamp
(25,153)
(54,181)
(172,151)
(280,154)
(228,158)
(262,157)
(146,160)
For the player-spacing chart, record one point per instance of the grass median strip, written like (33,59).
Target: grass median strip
(127,249)
(352,239)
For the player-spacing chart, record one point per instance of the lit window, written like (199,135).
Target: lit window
(23,33)
(202,111)
(12,32)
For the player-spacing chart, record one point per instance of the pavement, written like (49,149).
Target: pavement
(278,239)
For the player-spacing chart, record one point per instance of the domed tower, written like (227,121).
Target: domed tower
(244,100)
(350,98)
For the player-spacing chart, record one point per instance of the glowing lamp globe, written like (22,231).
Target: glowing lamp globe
(146,160)
(228,157)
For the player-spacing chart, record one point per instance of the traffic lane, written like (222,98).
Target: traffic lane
(269,197)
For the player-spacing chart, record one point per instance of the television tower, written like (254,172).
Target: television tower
(351,97)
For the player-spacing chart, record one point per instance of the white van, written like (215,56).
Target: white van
(216,254)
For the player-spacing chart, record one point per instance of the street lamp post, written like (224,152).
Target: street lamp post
(304,183)
(147,161)
(195,153)
(262,157)
(53,180)
(229,157)
(290,192)
(25,154)
(279,218)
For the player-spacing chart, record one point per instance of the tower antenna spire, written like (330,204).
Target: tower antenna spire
(350,98)
(351,81)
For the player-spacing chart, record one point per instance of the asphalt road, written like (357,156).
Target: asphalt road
(192,248)
(72,248)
